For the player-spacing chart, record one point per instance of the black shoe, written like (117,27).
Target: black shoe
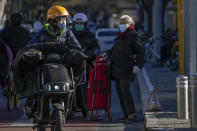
(132,117)
(123,119)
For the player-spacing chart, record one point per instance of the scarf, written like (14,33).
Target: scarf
(120,34)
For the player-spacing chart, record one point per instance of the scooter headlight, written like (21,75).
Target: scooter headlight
(58,87)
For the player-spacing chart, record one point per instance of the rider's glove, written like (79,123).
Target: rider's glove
(136,69)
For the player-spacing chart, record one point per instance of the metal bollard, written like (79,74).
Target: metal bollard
(182,97)
(193,81)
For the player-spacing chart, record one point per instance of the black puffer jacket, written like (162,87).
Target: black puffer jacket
(88,43)
(127,46)
(15,37)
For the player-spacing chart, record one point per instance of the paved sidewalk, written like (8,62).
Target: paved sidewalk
(166,120)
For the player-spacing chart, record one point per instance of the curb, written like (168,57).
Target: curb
(154,118)
(150,101)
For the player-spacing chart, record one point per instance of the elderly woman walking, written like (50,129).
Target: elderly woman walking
(127,57)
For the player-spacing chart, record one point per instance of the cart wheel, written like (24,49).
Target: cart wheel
(89,115)
(110,115)
(16,101)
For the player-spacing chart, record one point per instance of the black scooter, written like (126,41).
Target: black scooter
(55,84)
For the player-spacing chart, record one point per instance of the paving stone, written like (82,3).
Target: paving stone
(160,114)
(185,125)
(163,123)
(153,126)
(165,126)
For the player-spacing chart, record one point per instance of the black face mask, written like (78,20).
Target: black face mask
(54,29)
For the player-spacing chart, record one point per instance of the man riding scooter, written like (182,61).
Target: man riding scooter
(54,31)
(90,46)
(84,36)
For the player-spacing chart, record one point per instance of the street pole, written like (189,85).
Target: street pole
(190,47)
(193,61)
(193,36)
(180,36)
(157,26)
(190,39)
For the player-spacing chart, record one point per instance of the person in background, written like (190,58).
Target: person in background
(14,35)
(90,46)
(126,58)
(84,36)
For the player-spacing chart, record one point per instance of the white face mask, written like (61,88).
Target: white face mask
(123,27)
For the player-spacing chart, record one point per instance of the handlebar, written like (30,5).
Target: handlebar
(53,47)
(39,51)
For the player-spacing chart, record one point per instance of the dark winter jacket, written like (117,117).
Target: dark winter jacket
(15,37)
(88,42)
(122,56)
(44,35)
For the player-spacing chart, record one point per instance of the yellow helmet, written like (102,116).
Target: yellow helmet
(55,11)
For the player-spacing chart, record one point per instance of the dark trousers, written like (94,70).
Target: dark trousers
(126,99)
(81,93)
